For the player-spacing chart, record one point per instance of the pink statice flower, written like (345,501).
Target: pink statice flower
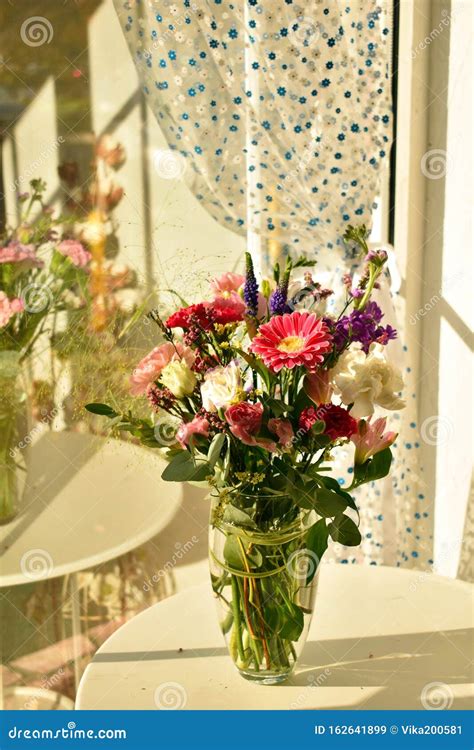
(75,251)
(197,426)
(371,439)
(151,366)
(9,308)
(16,252)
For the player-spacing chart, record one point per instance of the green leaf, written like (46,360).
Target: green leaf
(373,469)
(276,406)
(215,449)
(316,543)
(328,503)
(182,468)
(334,485)
(318,427)
(344,531)
(236,558)
(258,366)
(102,409)
(237,517)
(293,622)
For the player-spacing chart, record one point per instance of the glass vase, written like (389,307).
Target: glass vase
(12,427)
(265,580)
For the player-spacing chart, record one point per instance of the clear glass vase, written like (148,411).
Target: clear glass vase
(12,427)
(265,580)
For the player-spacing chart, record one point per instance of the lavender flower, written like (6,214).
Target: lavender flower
(250,287)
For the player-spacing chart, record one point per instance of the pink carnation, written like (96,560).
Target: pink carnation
(197,426)
(75,251)
(283,429)
(8,308)
(245,421)
(16,252)
(228,282)
(150,367)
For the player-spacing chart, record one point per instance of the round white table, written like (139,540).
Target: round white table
(87,500)
(381,638)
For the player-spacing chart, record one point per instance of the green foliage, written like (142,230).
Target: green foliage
(343,530)
(373,469)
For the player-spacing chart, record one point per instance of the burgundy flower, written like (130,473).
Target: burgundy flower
(338,422)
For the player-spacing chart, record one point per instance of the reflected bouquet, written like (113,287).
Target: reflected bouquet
(252,391)
(42,266)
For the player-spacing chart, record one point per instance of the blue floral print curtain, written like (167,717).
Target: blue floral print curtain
(277,114)
(280,110)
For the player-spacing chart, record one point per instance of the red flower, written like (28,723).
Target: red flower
(184,317)
(245,421)
(338,422)
(292,340)
(228,310)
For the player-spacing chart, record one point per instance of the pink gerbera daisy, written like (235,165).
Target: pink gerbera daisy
(292,340)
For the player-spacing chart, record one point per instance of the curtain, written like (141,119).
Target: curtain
(278,117)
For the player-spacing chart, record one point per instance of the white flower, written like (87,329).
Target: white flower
(367,380)
(179,378)
(222,387)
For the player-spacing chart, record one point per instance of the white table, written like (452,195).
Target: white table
(381,638)
(87,501)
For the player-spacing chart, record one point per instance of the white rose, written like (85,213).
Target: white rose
(222,387)
(179,378)
(366,380)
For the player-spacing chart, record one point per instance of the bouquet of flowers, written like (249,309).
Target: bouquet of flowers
(252,391)
(41,266)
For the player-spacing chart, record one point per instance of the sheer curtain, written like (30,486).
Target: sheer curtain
(278,117)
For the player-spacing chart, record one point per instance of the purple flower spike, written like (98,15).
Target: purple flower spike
(250,292)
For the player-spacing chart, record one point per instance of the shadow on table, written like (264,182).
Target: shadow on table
(52,462)
(400,665)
